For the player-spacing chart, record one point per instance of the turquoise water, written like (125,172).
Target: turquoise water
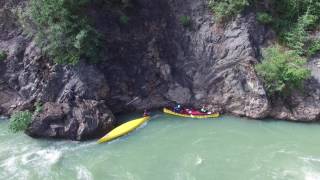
(227,148)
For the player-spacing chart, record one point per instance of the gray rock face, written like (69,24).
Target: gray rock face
(87,119)
(72,95)
(50,122)
(179,94)
(206,63)
(150,62)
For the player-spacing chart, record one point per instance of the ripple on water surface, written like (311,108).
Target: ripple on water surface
(172,148)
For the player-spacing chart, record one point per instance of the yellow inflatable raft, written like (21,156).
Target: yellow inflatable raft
(168,111)
(123,129)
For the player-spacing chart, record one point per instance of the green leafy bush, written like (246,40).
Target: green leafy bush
(291,19)
(298,36)
(19,121)
(64,31)
(282,71)
(264,18)
(224,9)
(185,21)
(3,56)
(314,47)
(289,13)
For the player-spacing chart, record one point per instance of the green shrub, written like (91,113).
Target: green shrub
(264,18)
(291,19)
(314,47)
(288,14)
(19,121)
(224,9)
(282,71)
(296,39)
(185,21)
(124,19)
(3,55)
(64,31)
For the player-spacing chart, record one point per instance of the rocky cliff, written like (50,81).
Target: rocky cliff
(150,62)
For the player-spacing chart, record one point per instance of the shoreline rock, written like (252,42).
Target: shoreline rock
(87,120)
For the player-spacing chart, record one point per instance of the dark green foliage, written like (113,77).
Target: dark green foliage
(185,21)
(3,55)
(264,18)
(282,71)
(291,19)
(124,19)
(64,31)
(314,47)
(19,121)
(289,11)
(224,9)
(298,36)
(294,20)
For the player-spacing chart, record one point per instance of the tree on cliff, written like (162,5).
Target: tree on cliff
(282,71)
(64,31)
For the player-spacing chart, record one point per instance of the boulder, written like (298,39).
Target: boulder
(86,120)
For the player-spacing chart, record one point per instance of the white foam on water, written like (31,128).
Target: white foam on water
(83,173)
(10,165)
(199,160)
(311,168)
(65,146)
(142,125)
(310,159)
(10,170)
(44,158)
(311,175)
(51,156)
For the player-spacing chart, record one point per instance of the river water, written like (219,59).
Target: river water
(169,148)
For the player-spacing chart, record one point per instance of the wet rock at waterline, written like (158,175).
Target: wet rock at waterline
(86,120)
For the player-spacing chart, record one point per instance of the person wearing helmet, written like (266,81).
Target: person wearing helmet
(177,108)
(204,109)
(146,113)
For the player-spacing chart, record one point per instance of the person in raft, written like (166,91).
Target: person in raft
(146,113)
(204,109)
(177,108)
(188,111)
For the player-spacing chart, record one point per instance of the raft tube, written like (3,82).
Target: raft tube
(123,129)
(168,111)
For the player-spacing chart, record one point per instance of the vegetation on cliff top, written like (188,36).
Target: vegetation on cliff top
(293,20)
(64,30)
(66,33)
(224,9)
